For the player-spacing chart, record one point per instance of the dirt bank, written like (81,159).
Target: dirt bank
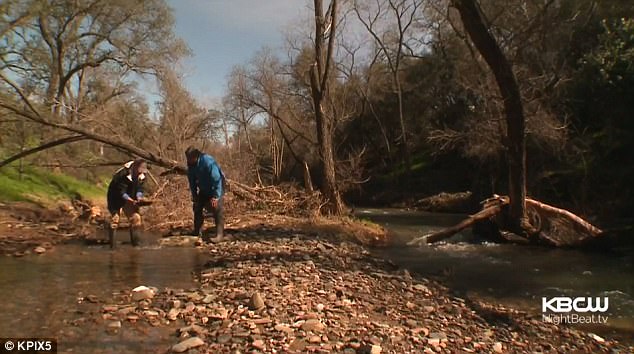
(27,228)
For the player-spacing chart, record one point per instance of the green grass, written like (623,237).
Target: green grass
(43,187)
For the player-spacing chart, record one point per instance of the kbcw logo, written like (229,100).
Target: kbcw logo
(579,304)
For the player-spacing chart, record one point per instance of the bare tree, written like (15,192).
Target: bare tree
(64,40)
(241,113)
(515,144)
(182,121)
(392,44)
(268,91)
(62,61)
(325,31)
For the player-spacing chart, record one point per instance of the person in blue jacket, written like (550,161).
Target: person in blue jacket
(206,182)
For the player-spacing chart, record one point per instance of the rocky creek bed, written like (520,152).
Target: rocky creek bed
(287,290)
(282,285)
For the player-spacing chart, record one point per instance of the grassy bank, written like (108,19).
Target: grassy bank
(44,187)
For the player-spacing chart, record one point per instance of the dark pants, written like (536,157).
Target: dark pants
(219,218)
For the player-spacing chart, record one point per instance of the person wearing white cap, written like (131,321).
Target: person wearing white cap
(125,191)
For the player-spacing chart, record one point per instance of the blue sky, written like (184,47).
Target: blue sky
(223,33)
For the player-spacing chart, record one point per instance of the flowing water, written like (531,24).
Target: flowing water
(514,275)
(42,294)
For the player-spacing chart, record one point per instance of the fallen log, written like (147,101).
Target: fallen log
(547,224)
(559,227)
(450,231)
(446,203)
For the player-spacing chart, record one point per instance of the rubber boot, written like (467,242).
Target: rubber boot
(219,219)
(134,236)
(111,237)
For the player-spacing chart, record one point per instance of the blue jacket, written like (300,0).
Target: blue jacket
(205,178)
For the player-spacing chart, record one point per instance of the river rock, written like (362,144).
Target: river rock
(298,345)
(39,250)
(284,328)
(596,338)
(52,228)
(187,344)
(150,313)
(110,308)
(258,344)
(190,307)
(142,293)
(256,302)
(194,328)
(422,288)
(114,325)
(219,313)
(313,325)
(172,315)
(366,305)
(370,349)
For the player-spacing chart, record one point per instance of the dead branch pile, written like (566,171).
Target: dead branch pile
(172,207)
(285,199)
(446,202)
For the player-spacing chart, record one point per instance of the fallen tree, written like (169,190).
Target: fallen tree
(50,144)
(272,197)
(547,224)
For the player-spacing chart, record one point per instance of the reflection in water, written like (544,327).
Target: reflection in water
(41,293)
(510,274)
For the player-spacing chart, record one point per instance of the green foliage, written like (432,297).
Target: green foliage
(44,187)
(603,88)
(599,99)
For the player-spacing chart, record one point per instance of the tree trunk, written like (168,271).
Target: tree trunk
(308,183)
(406,155)
(329,187)
(514,142)
(552,226)
(319,80)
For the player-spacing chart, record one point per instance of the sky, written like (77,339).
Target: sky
(224,33)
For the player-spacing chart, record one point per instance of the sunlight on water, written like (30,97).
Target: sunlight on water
(510,274)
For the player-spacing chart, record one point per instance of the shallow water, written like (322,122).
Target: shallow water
(40,294)
(515,275)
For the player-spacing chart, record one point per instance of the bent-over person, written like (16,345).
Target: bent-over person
(124,193)
(206,184)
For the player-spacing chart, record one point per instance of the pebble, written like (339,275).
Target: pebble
(187,344)
(258,344)
(256,302)
(142,293)
(313,325)
(114,324)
